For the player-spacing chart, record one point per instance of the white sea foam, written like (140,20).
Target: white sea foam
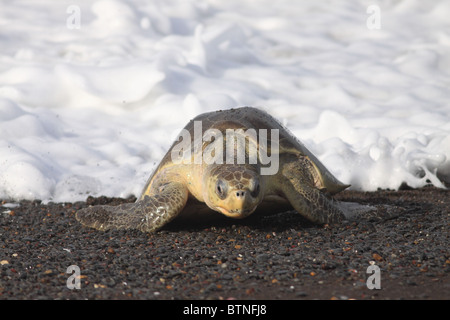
(91,110)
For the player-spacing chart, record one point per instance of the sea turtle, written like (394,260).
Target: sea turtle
(203,166)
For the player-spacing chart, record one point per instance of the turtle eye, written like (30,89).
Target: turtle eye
(221,189)
(255,190)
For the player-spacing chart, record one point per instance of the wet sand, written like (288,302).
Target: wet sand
(282,256)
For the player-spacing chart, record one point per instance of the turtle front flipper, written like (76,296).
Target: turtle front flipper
(147,215)
(297,185)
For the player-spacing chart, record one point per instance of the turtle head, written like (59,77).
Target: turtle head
(234,190)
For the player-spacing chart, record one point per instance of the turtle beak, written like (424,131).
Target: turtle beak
(241,205)
(242,199)
(236,213)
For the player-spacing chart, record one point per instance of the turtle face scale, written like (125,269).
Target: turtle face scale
(235,191)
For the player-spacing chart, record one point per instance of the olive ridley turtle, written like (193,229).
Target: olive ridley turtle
(233,161)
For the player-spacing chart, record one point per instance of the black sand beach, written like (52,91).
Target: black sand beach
(274,257)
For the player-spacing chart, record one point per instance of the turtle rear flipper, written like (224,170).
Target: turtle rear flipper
(146,215)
